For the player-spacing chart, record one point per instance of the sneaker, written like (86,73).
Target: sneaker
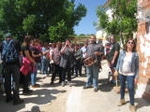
(35,86)
(132,108)
(18,101)
(122,102)
(95,89)
(76,75)
(39,72)
(86,87)
(69,83)
(63,84)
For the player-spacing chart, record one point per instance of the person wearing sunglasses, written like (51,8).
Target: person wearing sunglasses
(128,69)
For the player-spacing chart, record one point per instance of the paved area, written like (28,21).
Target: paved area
(55,98)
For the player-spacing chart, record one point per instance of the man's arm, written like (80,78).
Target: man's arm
(115,56)
(116,53)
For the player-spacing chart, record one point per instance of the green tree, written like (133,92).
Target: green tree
(28,23)
(124,22)
(58,32)
(37,17)
(66,20)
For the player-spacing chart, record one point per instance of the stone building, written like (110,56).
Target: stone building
(143,47)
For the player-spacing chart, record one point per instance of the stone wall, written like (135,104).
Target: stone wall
(143,48)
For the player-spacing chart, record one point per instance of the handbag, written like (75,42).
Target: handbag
(26,67)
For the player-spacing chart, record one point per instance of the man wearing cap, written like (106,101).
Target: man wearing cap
(11,70)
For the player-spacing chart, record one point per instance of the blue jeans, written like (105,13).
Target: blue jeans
(44,64)
(92,76)
(33,75)
(130,86)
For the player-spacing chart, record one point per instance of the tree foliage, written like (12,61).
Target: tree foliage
(123,22)
(40,18)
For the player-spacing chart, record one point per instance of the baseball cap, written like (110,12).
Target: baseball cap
(7,35)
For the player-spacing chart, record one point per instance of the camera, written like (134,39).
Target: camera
(66,44)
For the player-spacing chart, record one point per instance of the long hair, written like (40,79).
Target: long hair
(134,43)
(28,39)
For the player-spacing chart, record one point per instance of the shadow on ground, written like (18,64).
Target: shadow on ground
(105,85)
(78,83)
(141,103)
(38,97)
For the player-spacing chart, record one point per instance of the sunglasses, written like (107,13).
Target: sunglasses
(130,43)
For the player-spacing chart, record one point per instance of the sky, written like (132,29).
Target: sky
(86,26)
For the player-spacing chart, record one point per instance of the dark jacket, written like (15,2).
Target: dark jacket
(67,59)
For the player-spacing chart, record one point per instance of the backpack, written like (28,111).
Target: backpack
(9,52)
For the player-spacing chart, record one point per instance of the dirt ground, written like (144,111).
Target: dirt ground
(57,105)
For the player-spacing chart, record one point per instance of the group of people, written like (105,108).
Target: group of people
(63,59)
(22,61)
(124,63)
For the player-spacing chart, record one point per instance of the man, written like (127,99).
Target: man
(113,55)
(10,57)
(66,62)
(94,51)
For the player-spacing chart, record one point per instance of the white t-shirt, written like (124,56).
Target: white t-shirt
(126,67)
(83,49)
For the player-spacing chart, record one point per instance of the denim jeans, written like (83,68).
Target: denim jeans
(92,76)
(33,75)
(130,86)
(44,64)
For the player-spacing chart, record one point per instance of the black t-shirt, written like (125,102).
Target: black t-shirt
(25,48)
(115,47)
(36,52)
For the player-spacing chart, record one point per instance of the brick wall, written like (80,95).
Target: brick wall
(143,48)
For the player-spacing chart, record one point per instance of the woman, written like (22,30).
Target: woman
(45,59)
(25,52)
(78,60)
(36,54)
(56,59)
(128,67)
